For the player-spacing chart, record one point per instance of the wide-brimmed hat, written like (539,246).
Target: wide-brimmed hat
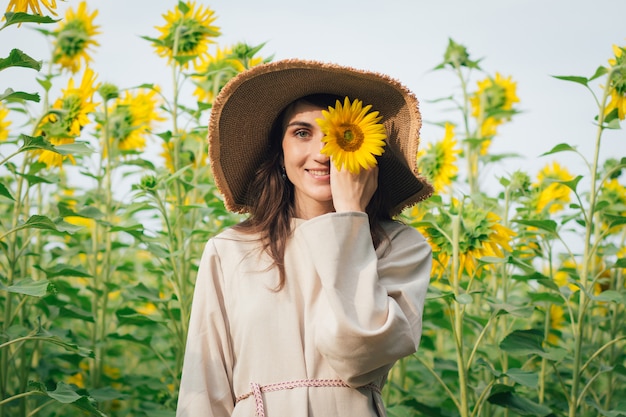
(245,110)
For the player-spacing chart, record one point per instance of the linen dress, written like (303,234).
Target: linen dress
(322,345)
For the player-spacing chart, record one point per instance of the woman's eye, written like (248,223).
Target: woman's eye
(301,134)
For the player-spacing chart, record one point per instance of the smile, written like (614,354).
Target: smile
(318,173)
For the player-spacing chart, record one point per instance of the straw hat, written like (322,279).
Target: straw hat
(245,109)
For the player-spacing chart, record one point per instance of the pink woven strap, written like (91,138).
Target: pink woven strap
(257,389)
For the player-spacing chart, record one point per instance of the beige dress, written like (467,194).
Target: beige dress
(323,345)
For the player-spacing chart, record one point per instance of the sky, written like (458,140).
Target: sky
(529,40)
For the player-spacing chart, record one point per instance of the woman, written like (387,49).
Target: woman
(303,308)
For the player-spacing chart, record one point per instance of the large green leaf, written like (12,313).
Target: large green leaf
(35,221)
(65,394)
(64,270)
(18,58)
(525,378)
(21,17)
(76,148)
(32,143)
(529,342)
(9,94)
(30,287)
(523,342)
(506,397)
(547,225)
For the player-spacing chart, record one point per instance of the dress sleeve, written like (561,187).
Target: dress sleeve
(205,388)
(375,300)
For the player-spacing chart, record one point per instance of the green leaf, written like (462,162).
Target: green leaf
(65,227)
(18,58)
(561,147)
(20,17)
(609,296)
(32,143)
(523,342)
(520,405)
(571,184)
(130,316)
(547,225)
(4,191)
(573,78)
(464,299)
(599,73)
(620,263)
(9,94)
(30,287)
(76,148)
(35,179)
(525,378)
(64,270)
(64,394)
(37,221)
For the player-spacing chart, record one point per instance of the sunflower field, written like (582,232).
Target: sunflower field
(526,310)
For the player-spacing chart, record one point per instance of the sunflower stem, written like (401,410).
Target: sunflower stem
(587,260)
(458,315)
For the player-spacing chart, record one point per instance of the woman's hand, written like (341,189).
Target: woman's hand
(352,192)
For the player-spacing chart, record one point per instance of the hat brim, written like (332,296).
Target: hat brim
(245,109)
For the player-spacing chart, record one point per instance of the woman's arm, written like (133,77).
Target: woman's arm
(375,305)
(206,384)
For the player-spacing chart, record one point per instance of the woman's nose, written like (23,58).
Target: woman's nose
(320,157)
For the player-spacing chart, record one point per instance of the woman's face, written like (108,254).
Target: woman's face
(306,167)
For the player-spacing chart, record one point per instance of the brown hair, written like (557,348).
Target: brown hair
(272,196)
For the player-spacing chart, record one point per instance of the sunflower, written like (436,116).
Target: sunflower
(618,83)
(74,37)
(132,117)
(17,6)
(70,116)
(214,71)
(550,192)
(494,95)
(352,136)
(492,104)
(481,234)
(187,34)
(4,123)
(438,161)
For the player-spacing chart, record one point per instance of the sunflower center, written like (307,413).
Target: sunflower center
(350,137)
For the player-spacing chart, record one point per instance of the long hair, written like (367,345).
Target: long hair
(272,196)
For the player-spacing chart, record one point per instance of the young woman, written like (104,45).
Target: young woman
(302,309)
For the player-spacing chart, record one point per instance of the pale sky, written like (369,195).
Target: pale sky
(529,40)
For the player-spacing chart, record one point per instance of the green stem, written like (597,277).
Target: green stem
(18,396)
(458,317)
(587,260)
(179,216)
